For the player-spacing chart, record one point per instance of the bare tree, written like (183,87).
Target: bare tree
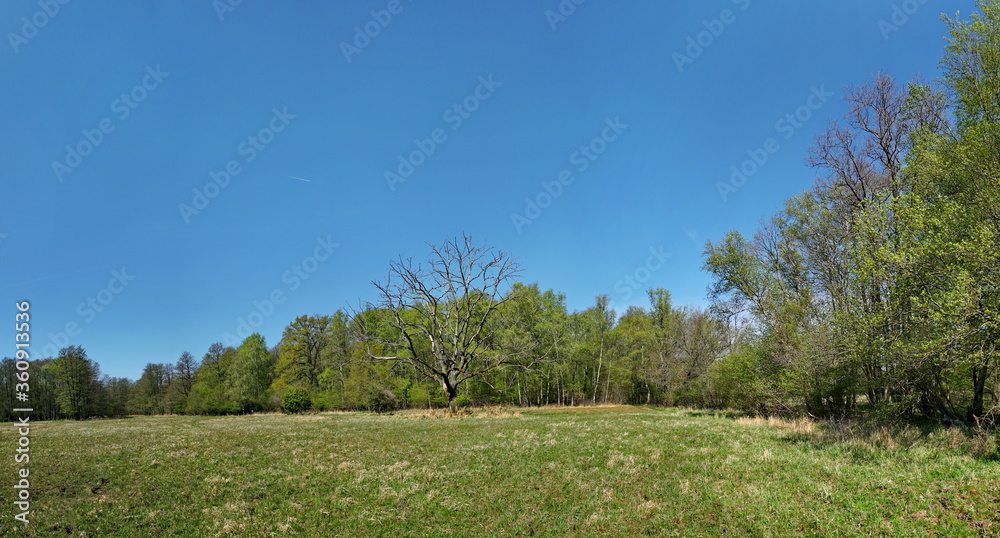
(444,317)
(864,159)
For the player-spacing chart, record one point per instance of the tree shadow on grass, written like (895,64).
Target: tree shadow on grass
(718,413)
(865,440)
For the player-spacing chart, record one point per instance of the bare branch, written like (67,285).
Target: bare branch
(443,319)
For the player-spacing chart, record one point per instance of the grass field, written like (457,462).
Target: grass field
(580,471)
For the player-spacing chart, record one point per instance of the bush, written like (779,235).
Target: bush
(326,400)
(462,400)
(381,401)
(745,380)
(418,397)
(296,400)
(438,398)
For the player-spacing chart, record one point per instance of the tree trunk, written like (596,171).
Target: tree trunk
(450,390)
(597,378)
(979,385)
(607,385)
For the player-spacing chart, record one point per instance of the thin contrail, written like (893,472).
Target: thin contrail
(299,178)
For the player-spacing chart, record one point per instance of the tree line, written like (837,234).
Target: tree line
(875,292)
(659,356)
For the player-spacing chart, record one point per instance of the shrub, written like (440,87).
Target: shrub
(381,401)
(418,397)
(296,400)
(326,400)
(462,400)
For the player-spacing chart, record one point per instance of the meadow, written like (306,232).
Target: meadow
(620,471)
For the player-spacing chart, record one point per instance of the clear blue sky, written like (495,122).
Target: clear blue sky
(179,93)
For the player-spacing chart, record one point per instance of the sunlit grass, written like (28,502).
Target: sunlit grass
(579,471)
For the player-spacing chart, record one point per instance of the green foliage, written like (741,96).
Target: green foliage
(368,386)
(296,400)
(250,375)
(418,397)
(742,380)
(972,65)
(150,396)
(208,390)
(76,383)
(462,400)
(309,347)
(877,289)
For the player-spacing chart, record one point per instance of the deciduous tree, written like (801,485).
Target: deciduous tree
(444,317)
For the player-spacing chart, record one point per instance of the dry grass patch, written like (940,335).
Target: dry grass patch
(802,426)
(465,412)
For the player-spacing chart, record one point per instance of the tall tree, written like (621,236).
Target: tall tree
(76,378)
(454,305)
(537,323)
(950,248)
(814,278)
(250,374)
(208,392)
(119,390)
(151,390)
(184,372)
(302,351)
(600,321)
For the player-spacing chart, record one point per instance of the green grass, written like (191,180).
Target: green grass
(582,471)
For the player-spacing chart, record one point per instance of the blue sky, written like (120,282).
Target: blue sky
(488,102)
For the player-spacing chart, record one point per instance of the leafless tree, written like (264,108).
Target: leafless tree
(444,318)
(864,156)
